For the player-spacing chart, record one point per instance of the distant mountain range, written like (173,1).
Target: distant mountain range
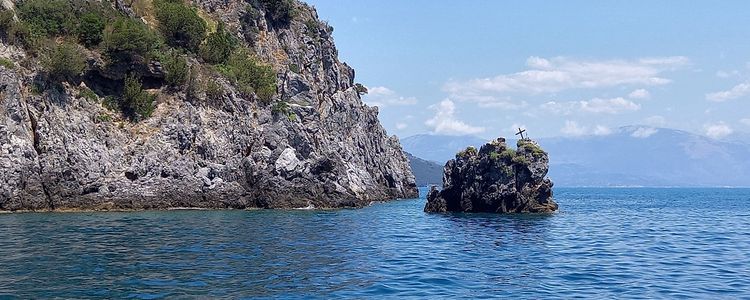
(630,156)
(426,172)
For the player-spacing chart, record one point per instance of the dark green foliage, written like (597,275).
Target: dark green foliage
(136,103)
(111,103)
(176,67)
(249,76)
(312,28)
(361,89)
(88,94)
(127,38)
(218,46)
(63,62)
(8,64)
(520,159)
(47,17)
(507,154)
(469,151)
(280,12)
(214,91)
(294,68)
(180,24)
(90,29)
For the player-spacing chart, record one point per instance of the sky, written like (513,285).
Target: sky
(556,68)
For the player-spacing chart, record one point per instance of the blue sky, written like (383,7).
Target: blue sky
(556,68)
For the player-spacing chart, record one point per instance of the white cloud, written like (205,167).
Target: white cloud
(727,74)
(717,130)
(602,130)
(382,97)
(639,94)
(657,121)
(609,106)
(445,122)
(644,132)
(745,121)
(401,126)
(561,73)
(735,92)
(572,128)
(594,106)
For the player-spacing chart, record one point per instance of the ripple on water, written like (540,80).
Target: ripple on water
(605,243)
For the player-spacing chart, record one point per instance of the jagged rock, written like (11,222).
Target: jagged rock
(64,151)
(495,179)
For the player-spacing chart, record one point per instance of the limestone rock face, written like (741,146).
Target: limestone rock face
(495,179)
(61,150)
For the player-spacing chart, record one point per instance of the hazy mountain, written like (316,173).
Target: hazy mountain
(632,156)
(426,172)
(438,148)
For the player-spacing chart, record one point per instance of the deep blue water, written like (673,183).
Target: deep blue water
(604,243)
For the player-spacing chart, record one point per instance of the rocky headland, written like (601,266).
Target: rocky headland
(495,179)
(167,103)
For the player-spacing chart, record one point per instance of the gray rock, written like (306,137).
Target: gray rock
(61,151)
(495,179)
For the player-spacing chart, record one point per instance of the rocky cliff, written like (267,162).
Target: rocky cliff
(312,144)
(495,179)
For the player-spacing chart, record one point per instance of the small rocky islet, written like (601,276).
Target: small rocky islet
(496,179)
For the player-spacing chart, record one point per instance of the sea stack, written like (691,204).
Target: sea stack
(495,179)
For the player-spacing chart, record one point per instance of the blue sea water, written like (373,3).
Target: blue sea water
(604,243)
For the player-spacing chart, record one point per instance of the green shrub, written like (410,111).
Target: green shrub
(90,29)
(520,159)
(176,67)
(469,151)
(63,62)
(127,38)
(180,24)
(136,103)
(214,91)
(7,63)
(88,94)
(218,46)
(47,17)
(280,12)
(249,76)
(508,154)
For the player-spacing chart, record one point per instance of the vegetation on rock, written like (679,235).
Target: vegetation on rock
(180,24)
(136,103)
(63,62)
(90,29)
(127,39)
(218,46)
(280,12)
(250,76)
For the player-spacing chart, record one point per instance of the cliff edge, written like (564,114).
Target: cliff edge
(252,109)
(495,179)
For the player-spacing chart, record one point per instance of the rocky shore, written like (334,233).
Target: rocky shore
(312,144)
(495,179)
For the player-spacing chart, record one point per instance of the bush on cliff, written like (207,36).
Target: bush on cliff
(250,76)
(127,38)
(47,17)
(136,103)
(180,24)
(280,12)
(90,29)
(63,62)
(176,67)
(218,46)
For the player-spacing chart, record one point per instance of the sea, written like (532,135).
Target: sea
(604,243)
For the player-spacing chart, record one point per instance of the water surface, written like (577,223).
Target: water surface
(604,243)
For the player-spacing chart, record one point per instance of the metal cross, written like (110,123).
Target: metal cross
(520,132)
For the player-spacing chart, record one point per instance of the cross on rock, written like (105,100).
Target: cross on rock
(520,132)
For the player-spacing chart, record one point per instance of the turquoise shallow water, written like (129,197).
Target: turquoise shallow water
(604,243)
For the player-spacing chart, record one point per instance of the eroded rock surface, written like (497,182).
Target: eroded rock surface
(495,179)
(61,150)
